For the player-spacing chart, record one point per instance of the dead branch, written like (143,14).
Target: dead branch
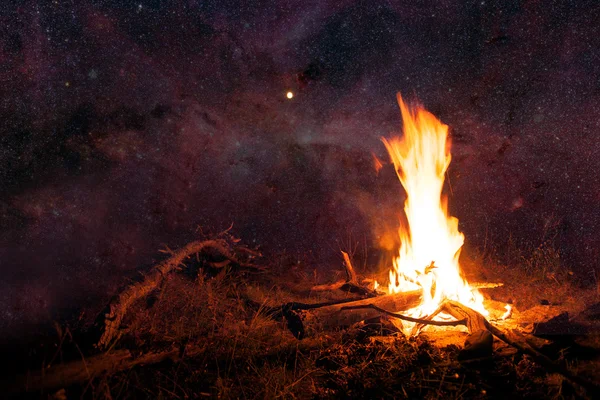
(407,318)
(350,274)
(485,285)
(474,320)
(329,287)
(350,284)
(590,387)
(151,281)
(305,321)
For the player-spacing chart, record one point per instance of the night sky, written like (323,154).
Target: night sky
(125,125)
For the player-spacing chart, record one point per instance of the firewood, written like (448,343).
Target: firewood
(151,281)
(306,322)
(350,274)
(406,318)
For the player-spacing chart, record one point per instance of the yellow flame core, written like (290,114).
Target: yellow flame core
(431,243)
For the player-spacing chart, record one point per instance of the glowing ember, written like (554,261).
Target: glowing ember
(431,243)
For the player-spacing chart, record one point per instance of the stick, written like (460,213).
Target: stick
(485,285)
(350,285)
(65,375)
(407,318)
(350,274)
(308,321)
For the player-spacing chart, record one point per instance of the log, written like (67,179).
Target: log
(304,322)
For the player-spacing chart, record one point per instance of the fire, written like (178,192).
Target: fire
(431,242)
(377,163)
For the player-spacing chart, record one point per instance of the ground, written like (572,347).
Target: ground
(237,351)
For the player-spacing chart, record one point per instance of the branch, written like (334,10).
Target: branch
(407,318)
(121,303)
(351,284)
(350,274)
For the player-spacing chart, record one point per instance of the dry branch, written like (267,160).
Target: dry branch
(111,362)
(151,281)
(305,322)
(351,283)
(407,318)
(350,274)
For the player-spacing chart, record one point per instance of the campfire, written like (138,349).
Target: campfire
(428,258)
(426,288)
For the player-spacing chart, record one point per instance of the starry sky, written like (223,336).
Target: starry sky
(126,125)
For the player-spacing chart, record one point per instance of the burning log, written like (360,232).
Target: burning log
(152,280)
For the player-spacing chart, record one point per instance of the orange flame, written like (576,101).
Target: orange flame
(377,164)
(431,243)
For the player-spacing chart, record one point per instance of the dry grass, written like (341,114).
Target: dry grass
(243,354)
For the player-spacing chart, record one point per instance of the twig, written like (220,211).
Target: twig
(476,320)
(485,285)
(591,387)
(350,274)
(350,285)
(285,309)
(331,286)
(407,318)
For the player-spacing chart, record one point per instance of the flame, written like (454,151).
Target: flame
(508,312)
(431,242)
(377,164)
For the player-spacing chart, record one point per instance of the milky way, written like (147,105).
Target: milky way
(126,125)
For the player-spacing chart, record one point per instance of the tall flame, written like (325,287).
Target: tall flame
(431,243)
